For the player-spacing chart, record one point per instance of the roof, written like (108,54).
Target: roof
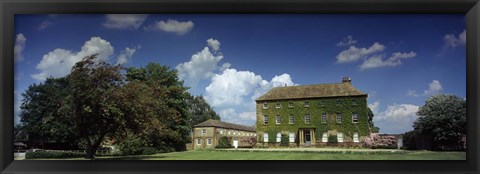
(220,124)
(343,89)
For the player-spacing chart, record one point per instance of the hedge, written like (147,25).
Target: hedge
(47,155)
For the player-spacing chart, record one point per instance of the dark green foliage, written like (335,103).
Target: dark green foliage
(332,139)
(443,117)
(132,145)
(409,140)
(149,151)
(200,111)
(46,115)
(372,127)
(284,140)
(58,155)
(224,142)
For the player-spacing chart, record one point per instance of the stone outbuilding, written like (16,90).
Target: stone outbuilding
(207,134)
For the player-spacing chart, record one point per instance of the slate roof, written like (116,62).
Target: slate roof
(342,89)
(220,124)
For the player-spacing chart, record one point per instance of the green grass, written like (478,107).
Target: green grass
(247,155)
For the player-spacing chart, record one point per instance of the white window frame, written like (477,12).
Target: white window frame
(325,137)
(277,105)
(340,137)
(307,116)
(290,104)
(204,131)
(209,141)
(324,117)
(353,120)
(221,131)
(339,120)
(291,137)
(265,105)
(291,119)
(265,137)
(265,119)
(199,141)
(306,104)
(277,119)
(279,137)
(356,137)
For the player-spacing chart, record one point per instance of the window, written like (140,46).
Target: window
(354,118)
(209,141)
(292,137)
(340,137)
(324,117)
(277,119)
(229,132)
(338,102)
(355,138)
(354,102)
(204,131)
(199,141)
(279,137)
(325,137)
(290,104)
(307,119)
(306,104)
(221,131)
(339,118)
(321,103)
(265,105)
(265,137)
(277,105)
(291,119)
(265,119)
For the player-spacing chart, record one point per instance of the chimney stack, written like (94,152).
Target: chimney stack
(346,80)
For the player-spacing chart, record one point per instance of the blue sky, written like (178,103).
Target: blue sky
(399,60)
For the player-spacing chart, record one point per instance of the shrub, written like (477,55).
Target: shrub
(47,155)
(132,146)
(284,140)
(224,142)
(332,139)
(149,151)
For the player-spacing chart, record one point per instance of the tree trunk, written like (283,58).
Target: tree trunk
(91,150)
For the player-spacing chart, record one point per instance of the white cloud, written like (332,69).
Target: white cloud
(124,21)
(126,54)
(44,25)
(20,41)
(59,62)
(397,118)
(225,66)
(412,93)
(346,41)
(394,60)
(453,41)
(433,88)
(214,44)
(200,66)
(353,53)
(172,26)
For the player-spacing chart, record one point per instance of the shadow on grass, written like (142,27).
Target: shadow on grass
(130,158)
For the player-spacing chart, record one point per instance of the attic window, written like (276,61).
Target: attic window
(321,103)
(354,102)
(338,102)
(265,105)
(306,104)
(277,105)
(204,131)
(290,104)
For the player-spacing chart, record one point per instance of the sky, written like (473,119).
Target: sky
(399,60)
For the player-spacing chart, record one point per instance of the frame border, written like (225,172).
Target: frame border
(8,8)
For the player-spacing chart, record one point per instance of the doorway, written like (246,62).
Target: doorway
(307,137)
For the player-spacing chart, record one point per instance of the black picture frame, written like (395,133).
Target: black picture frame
(8,8)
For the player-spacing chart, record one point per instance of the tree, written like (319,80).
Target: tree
(46,115)
(95,85)
(200,111)
(372,127)
(443,117)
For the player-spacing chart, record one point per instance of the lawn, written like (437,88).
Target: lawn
(261,155)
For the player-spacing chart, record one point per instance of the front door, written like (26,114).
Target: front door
(307,137)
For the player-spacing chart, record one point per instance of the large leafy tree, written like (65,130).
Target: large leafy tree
(200,110)
(95,86)
(46,115)
(371,125)
(443,117)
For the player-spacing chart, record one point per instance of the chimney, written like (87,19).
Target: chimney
(347,80)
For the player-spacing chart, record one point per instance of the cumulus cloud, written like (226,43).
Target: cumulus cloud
(172,26)
(124,21)
(353,53)
(347,41)
(394,60)
(59,62)
(451,40)
(433,88)
(201,65)
(397,118)
(20,41)
(214,44)
(126,55)
(412,93)
(44,25)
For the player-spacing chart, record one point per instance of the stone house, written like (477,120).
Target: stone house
(207,134)
(313,114)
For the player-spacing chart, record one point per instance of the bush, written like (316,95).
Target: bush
(47,155)
(284,140)
(224,142)
(133,146)
(332,139)
(149,151)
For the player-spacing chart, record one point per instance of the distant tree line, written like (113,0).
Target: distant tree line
(442,125)
(97,102)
